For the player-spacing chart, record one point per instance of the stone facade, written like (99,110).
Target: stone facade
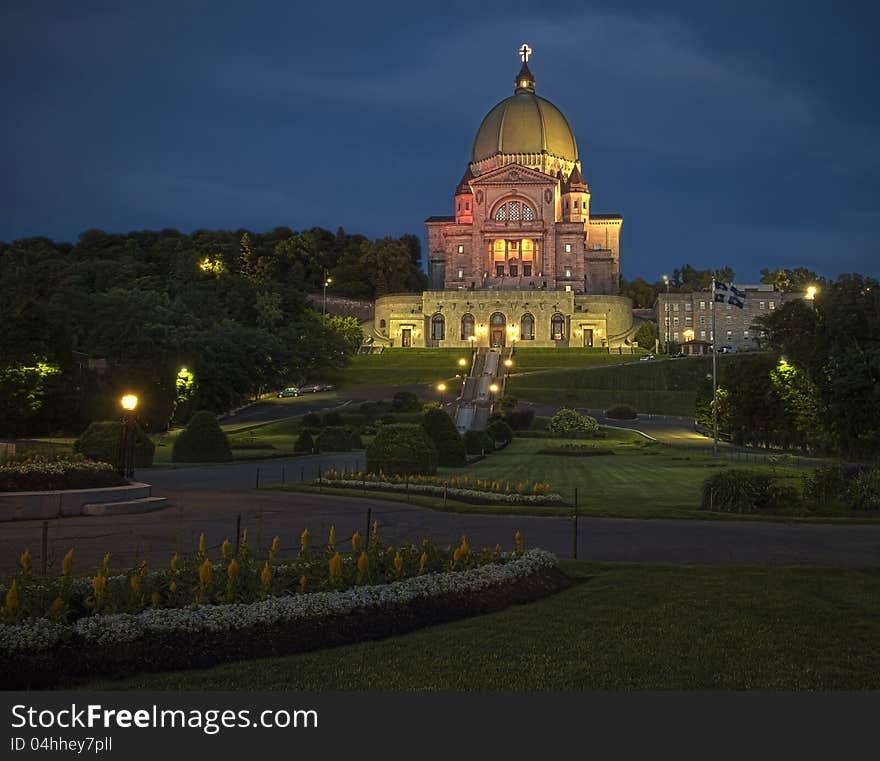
(531,318)
(685,317)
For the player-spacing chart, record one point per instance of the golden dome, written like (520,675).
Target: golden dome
(524,123)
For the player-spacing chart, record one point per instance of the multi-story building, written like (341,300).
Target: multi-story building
(683,317)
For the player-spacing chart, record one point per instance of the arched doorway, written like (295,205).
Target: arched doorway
(497,329)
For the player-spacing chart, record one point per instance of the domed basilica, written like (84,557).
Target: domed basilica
(523,259)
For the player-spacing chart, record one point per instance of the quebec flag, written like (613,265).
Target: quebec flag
(728,294)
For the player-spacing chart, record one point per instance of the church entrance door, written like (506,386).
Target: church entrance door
(497,337)
(588,337)
(406,338)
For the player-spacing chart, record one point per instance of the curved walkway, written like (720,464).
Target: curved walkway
(210,499)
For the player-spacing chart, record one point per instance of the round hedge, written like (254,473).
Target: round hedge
(100,441)
(202,441)
(571,423)
(450,448)
(334,438)
(621,412)
(401,449)
(478,442)
(500,432)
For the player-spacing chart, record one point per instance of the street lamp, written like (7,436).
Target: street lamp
(327,281)
(125,455)
(508,363)
(441,387)
(493,389)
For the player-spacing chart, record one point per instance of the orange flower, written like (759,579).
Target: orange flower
(356,541)
(423,562)
(304,540)
(233,570)
(12,601)
(67,563)
(398,564)
(99,584)
(175,559)
(205,573)
(226,549)
(25,561)
(201,544)
(266,576)
(335,566)
(155,599)
(519,542)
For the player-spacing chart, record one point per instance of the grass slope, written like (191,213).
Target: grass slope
(624,627)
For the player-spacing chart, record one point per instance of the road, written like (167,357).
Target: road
(210,499)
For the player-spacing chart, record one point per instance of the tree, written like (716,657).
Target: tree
(646,335)
(798,279)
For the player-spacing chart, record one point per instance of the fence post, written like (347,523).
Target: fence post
(574,522)
(45,546)
(369,522)
(302,473)
(445,492)
(283,475)
(258,478)
(319,478)
(237,532)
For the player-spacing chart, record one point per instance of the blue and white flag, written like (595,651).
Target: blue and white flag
(728,294)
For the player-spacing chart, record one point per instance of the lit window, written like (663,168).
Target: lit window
(461,249)
(675,307)
(467,327)
(688,320)
(567,272)
(746,334)
(514,210)
(702,305)
(666,307)
(527,328)
(702,335)
(760,305)
(461,274)
(438,327)
(772,305)
(675,336)
(557,328)
(575,204)
(727,318)
(689,307)
(568,248)
(675,320)
(467,205)
(729,334)
(666,320)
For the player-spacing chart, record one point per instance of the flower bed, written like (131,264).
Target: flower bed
(39,473)
(472,491)
(41,652)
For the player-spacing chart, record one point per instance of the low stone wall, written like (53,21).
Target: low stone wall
(39,505)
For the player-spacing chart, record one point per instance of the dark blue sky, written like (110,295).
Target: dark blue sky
(726,133)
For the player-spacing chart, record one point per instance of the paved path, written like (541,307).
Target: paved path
(209,499)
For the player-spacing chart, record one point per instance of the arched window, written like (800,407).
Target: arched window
(467,327)
(438,327)
(497,319)
(557,327)
(382,324)
(527,328)
(514,211)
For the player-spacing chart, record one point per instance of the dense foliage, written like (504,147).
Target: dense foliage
(441,430)
(500,432)
(203,440)
(400,449)
(742,491)
(101,441)
(338,438)
(478,442)
(113,313)
(42,474)
(622,412)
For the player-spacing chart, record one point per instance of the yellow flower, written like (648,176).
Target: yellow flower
(154,599)
(423,562)
(363,566)
(175,559)
(226,549)
(205,573)
(374,537)
(233,570)
(56,608)
(25,561)
(497,549)
(105,563)
(465,547)
(335,566)
(135,583)
(302,583)
(456,554)
(398,564)
(331,540)
(275,548)
(266,576)
(99,584)
(356,541)
(67,563)
(201,544)
(172,587)
(12,598)
(519,542)
(304,540)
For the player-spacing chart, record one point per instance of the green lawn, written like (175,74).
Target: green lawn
(529,360)
(660,387)
(622,627)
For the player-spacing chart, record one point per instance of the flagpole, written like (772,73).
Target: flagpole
(714,376)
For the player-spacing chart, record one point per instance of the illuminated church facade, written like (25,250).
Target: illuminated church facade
(523,259)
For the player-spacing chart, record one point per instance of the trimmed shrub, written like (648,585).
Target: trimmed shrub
(500,432)
(442,431)
(100,441)
(202,441)
(331,417)
(334,438)
(369,410)
(304,442)
(354,438)
(311,420)
(825,486)
(41,474)
(571,423)
(621,412)
(478,442)
(402,449)
(863,492)
(739,491)
(520,420)
(405,401)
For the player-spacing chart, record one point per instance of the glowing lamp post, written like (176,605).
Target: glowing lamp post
(441,389)
(327,281)
(493,389)
(125,458)
(508,363)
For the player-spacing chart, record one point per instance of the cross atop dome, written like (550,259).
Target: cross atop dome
(525,81)
(524,52)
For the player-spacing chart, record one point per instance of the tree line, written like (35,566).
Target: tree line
(229,307)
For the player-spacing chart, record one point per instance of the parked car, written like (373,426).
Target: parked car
(646,358)
(290,391)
